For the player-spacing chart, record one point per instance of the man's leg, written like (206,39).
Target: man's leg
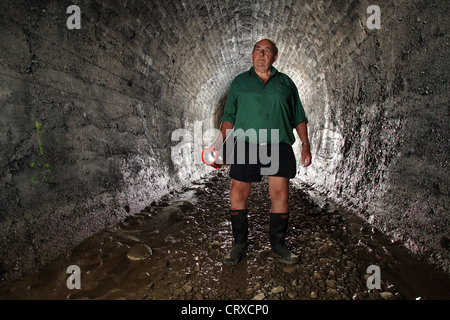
(239,194)
(279,194)
(279,217)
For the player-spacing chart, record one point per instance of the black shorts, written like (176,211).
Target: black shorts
(253,161)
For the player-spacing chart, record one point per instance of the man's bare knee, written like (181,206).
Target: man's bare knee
(239,194)
(279,194)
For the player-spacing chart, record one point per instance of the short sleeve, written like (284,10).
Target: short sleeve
(229,113)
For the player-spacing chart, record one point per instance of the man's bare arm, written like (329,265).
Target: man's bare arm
(302,132)
(224,126)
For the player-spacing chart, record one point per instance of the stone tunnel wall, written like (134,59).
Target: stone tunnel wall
(88,114)
(380,138)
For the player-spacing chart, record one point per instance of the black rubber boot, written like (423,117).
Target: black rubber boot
(239,226)
(278,230)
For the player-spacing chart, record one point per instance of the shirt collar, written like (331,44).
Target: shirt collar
(252,70)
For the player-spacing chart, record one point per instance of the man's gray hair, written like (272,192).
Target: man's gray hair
(274,46)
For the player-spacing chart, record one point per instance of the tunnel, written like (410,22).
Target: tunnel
(96,96)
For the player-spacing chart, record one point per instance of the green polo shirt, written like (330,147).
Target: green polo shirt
(252,105)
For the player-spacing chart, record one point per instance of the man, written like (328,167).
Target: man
(263,98)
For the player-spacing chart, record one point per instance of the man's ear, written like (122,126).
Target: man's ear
(275,58)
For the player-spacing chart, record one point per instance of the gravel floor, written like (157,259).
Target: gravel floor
(174,249)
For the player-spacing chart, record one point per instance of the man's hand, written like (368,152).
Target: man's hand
(305,155)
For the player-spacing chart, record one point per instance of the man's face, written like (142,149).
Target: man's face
(263,55)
